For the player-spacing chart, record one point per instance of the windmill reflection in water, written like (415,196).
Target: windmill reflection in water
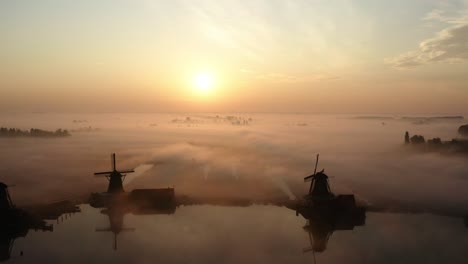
(116,203)
(326,212)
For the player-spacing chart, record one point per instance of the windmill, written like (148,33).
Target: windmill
(15,223)
(114,177)
(319,187)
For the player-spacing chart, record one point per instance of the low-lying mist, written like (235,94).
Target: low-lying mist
(239,156)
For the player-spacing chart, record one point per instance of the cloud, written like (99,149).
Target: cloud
(279,77)
(450,45)
(288,78)
(453,16)
(435,15)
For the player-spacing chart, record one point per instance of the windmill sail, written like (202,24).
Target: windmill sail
(114,177)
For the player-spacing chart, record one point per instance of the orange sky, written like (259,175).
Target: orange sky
(280,56)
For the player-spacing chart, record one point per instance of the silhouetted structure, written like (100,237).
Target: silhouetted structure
(15,222)
(114,177)
(319,188)
(326,212)
(321,224)
(54,210)
(407,139)
(148,200)
(436,144)
(141,198)
(320,194)
(5,199)
(117,202)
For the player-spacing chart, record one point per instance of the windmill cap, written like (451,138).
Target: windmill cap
(321,174)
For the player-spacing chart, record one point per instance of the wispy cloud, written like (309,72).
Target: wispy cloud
(449,45)
(289,78)
(453,17)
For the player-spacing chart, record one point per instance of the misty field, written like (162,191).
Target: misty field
(240,156)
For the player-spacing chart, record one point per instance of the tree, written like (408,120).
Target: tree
(463,130)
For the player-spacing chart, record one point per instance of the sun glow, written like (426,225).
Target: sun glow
(204,82)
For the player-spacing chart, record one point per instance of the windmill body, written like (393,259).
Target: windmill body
(319,187)
(156,198)
(115,182)
(321,196)
(115,177)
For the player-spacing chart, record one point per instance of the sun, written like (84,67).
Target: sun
(204,82)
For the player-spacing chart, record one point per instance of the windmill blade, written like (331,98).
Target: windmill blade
(102,173)
(316,163)
(102,176)
(113,162)
(309,178)
(127,171)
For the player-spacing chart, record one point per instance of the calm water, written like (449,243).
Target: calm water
(254,234)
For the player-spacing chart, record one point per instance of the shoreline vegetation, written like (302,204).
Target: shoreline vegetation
(33,132)
(456,145)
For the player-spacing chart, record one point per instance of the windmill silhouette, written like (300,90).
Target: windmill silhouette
(319,187)
(319,234)
(16,222)
(321,224)
(115,177)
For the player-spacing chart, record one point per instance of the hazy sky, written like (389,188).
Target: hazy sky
(276,55)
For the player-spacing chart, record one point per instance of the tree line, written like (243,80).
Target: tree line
(33,132)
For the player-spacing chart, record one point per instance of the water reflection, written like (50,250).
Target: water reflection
(118,205)
(326,212)
(321,225)
(184,229)
(213,234)
(116,223)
